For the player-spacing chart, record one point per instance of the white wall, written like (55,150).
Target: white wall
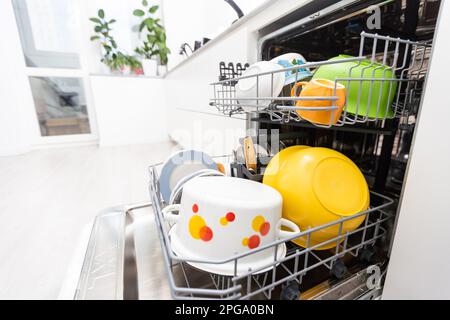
(18,126)
(187,21)
(130,110)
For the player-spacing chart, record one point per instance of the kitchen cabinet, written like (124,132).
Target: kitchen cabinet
(419,263)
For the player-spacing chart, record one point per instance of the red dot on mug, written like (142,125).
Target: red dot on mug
(265,227)
(230,216)
(253,242)
(206,233)
(195,208)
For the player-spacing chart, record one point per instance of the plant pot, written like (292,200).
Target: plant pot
(150,67)
(115,71)
(162,70)
(126,70)
(137,71)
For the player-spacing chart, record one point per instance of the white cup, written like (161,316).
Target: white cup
(289,60)
(220,217)
(268,85)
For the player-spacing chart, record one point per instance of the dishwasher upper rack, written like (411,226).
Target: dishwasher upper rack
(405,59)
(293,267)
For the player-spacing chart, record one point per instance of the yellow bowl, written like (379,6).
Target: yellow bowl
(318,186)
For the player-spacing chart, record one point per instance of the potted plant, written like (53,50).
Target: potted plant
(154,39)
(117,61)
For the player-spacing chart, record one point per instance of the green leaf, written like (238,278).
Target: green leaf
(112,21)
(138,13)
(95,38)
(142,26)
(96,20)
(97,29)
(114,44)
(153,9)
(144,3)
(101,13)
(149,23)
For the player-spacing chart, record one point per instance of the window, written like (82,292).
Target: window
(60,105)
(49,32)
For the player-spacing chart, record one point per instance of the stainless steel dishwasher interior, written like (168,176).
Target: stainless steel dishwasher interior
(124,258)
(130,280)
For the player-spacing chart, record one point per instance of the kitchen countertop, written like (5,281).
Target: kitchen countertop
(239,23)
(134,76)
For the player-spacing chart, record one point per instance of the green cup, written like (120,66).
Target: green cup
(383,92)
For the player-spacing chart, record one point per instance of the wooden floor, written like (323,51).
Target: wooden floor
(48,196)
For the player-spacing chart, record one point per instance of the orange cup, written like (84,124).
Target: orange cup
(320,88)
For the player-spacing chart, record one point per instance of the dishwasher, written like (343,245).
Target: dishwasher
(378,144)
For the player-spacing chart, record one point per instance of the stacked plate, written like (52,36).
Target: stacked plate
(175,196)
(182,166)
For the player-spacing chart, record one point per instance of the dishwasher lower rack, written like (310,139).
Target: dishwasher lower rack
(384,63)
(187,282)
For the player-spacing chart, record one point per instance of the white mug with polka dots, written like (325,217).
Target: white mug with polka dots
(221,217)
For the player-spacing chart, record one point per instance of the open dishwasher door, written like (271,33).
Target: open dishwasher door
(123,259)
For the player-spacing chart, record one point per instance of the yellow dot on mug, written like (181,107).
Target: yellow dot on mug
(257,222)
(221,168)
(195,224)
(223,221)
(245,242)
